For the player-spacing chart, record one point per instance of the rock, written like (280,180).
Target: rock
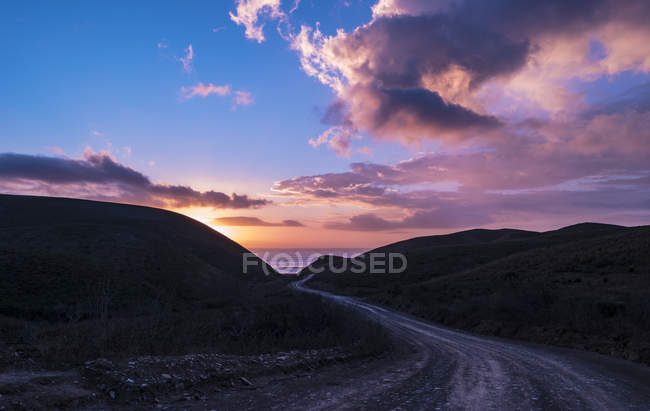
(166,376)
(112,394)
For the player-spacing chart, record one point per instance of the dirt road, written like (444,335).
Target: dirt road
(465,371)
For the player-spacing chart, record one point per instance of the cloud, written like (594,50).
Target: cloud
(338,138)
(296,4)
(56,150)
(365,150)
(512,95)
(454,70)
(390,8)
(397,74)
(476,187)
(187,59)
(411,114)
(203,90)
(161,45)
(240,97)
(253,222)
(442,217)
(604,201)
(243,98)
(248,13)
(619,140)
(96,133)
(99,176)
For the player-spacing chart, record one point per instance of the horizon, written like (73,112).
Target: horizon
(333,125)
(333,250)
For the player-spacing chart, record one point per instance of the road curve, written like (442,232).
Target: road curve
(465,371)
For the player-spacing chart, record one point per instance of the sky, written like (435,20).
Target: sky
(342,123)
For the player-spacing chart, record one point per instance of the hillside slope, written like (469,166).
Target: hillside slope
(583,286)
(61,255)
(81,280)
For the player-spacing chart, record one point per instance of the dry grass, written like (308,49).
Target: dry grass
(584,287)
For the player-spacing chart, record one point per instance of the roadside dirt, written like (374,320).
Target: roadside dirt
(282,380)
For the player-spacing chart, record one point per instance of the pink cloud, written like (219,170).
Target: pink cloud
(203,90)
(413,71)
(499,88)
(187,59)
(365,150)
(595,168)
(338,139)
(243,98)
(248,13)
(240,98)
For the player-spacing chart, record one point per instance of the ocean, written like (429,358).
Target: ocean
(292,260)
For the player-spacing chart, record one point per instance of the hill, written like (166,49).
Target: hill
(83,279)
(61,255)
(583,286)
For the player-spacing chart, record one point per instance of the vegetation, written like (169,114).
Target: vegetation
(272,323)
(81,280)
(584,286)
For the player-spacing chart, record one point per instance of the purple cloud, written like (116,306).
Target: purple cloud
(461,70)
(448,216)
(99,176)
(253,222)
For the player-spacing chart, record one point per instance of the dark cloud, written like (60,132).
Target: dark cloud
(393,64)
(524,19)
(531,18)
(292,223)
(253,222)
(404,49)
(336,114)
(363,222)
(95,168)
(413,71)
(426,110)
(101,177)
(390,95)
(447,216)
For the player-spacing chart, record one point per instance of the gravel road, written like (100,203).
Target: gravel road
(466,371)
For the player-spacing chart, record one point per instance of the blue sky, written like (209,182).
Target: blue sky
(96,67)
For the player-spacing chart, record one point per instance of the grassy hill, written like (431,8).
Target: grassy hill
(585,286)
(82,279)
(70,257)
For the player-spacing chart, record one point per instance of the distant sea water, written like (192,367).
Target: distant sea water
(292,260)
